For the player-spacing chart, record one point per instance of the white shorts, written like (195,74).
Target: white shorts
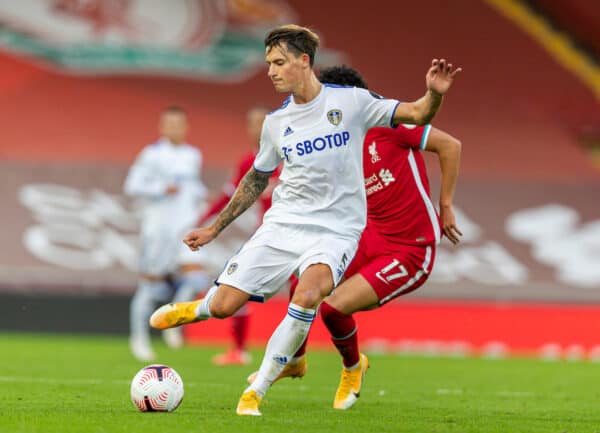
(276,251)
(163,255)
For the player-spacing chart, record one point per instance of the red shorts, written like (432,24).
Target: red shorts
(391,269)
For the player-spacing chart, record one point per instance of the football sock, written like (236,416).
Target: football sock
(302,350)
(143,303)
(343,332)
(239,327)
(282,345)
(203,308)
(191,284)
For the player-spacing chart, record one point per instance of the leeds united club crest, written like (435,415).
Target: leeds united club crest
(232,267)
(334,116)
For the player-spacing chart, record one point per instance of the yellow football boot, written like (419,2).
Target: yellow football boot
(350,383)
(248,404)
(171,315)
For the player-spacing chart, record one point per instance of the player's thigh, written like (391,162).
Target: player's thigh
(400,272)
(354,294)
(227,301)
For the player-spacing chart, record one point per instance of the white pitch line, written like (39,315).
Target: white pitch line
(444,391)
(515,394)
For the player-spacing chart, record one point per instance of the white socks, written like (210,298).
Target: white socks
(203,309)
(283,344)
(143,303)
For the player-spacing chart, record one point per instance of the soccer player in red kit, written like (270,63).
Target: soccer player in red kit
(397,249)
(240,321)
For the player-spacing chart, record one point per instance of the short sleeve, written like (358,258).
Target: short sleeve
(143,179)
(412,136)
(377,110)
(268,158)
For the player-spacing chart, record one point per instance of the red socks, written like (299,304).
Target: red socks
(239,330)
(343,332)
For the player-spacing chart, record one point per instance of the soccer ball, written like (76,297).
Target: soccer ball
(156,388)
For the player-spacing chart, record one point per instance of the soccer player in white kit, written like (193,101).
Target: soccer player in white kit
(166,175)
(319,207)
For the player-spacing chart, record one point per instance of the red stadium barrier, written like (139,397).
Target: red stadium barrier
(492,329)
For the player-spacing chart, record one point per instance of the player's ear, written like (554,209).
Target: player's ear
(305,59)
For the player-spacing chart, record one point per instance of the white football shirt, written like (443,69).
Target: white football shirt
(159,165)
(320,143)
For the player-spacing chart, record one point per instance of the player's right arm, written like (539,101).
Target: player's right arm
(219,204)
(448,150)
(216,206)
(248,191)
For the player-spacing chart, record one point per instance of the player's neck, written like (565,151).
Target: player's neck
(308,90)
(175,142)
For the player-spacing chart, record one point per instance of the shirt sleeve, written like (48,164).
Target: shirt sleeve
(412,136)
(268,158)
(377,110)
(142,180)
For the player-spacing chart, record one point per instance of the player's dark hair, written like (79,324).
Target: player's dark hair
(299,40)
(174,109)
(342,76)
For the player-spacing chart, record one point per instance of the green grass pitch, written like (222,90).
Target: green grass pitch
(64,384)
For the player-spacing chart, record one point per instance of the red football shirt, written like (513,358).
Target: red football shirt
(399,206)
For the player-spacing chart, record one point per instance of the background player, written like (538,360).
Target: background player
(240,320)
(318,207)
(166,175)
(397,249)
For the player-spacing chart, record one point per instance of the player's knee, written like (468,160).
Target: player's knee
(307,298)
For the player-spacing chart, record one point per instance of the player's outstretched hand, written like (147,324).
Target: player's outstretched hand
(451,231)
(199,237)
(440,76)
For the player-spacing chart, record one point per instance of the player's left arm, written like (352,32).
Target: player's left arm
(448,150)
(438,79)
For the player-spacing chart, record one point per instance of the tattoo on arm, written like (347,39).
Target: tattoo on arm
(250,188)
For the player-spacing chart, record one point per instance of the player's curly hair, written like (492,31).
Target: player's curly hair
(298,39)
(343,76)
